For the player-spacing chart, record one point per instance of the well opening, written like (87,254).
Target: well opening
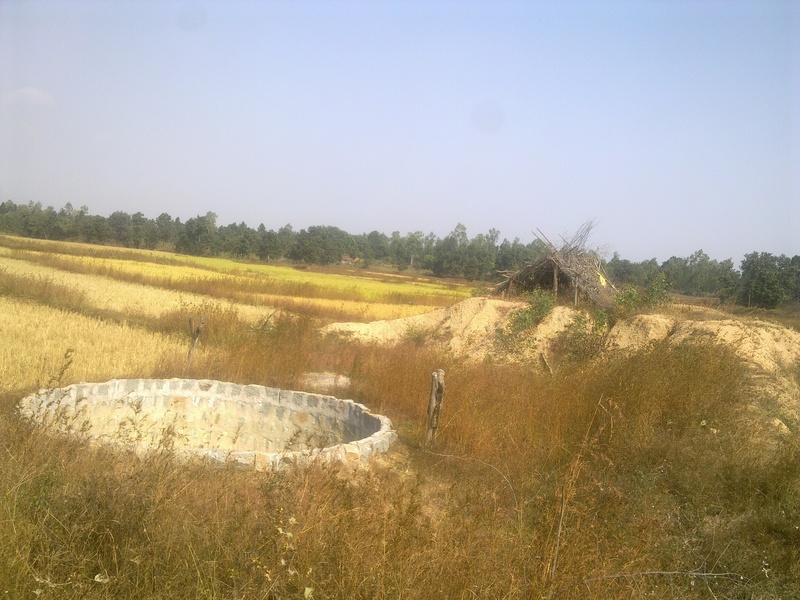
(250,424)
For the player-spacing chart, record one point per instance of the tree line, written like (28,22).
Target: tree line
(762,279)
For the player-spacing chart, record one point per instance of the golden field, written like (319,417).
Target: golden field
(142,286)
(613,476)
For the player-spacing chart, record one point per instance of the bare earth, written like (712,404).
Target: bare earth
(464,327)
(468,329)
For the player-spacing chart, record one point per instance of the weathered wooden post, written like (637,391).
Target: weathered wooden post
(195,333)
(575,283)
(555,280)
(434,405)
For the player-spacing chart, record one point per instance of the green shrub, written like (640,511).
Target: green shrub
(540,304)
(630,300)
(583,338)
(627,302)
(657,291)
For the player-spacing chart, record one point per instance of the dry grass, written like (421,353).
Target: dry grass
(36,338)
(218,276)
(330,297)
(620,477)
(110,297)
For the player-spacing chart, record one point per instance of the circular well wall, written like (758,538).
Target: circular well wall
(250,424)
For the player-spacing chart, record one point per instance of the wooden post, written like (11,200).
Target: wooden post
(555,280)
(575,283)
(434,405)
(195,333)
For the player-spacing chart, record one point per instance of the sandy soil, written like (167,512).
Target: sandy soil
(464,328)
(468,329)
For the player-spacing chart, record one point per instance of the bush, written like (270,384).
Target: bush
(627,302)
(540,304)
(583,338)
(630,300)
(657,291)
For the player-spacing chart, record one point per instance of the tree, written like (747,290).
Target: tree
(789,276)
(793,277)
(728,280)
(120,223)
(95,229)
(701,280)
(481,252)
(450,253)
(287,239)
(761,280)
(238,241)
(197,236)
(65,227)
(512,256)
(399,251)
(144,232)
(621,270)
(267,243)
(166,228)
(322,245)
(377,246)
(675,270)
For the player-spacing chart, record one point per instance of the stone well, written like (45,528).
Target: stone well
(250,424)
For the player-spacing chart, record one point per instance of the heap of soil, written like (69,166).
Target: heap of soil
(469,329)
(767,347)
(771,351)
(464,328)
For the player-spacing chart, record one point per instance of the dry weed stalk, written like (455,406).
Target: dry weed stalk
(567,491)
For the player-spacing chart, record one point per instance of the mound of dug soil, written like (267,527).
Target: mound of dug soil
(767,347)
(771,351)
(638,331)
(466,327)
(470,328)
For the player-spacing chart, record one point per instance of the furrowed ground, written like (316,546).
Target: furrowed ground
(667,467)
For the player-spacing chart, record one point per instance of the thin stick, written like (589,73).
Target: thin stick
(698,574)
(195,335)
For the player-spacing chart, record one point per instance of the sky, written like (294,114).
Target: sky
(675,125)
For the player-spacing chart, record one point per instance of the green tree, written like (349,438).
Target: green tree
(236,240)
(198,235)
(480,255)
(399,251)
(623,271)
(322,245)
(378,244)
(144,231)
(790,276)
(95,229)
(268,246)
(121,227)
(761,280)
(449,254)
(167,229)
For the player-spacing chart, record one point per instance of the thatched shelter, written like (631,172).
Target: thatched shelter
(572,268)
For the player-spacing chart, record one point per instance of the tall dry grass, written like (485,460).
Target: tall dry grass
(241,282)
(34,340)
(111,282)
(624,476)
(109,298)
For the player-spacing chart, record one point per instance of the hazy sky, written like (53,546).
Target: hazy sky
(675,124)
